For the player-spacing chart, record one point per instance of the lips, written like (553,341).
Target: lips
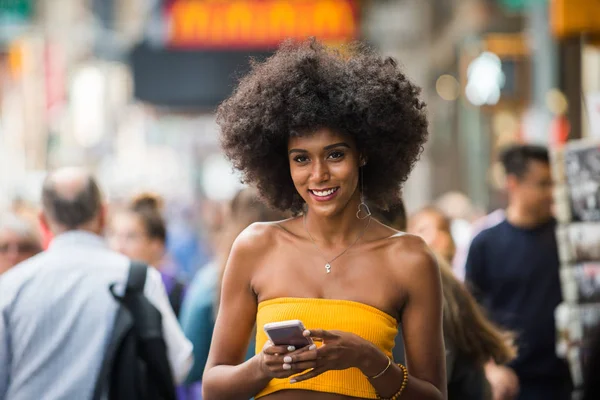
(324,194)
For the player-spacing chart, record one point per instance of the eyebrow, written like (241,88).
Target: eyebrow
(328,147)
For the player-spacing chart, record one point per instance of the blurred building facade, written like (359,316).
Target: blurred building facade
(129,88)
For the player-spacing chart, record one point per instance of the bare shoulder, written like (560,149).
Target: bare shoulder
(248,251)
(418,261)
(257,237)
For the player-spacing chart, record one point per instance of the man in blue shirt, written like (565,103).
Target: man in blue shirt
(513,270)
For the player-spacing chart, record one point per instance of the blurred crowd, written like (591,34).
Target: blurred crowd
(490,354)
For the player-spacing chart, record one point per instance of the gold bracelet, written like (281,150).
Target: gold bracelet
(397,395)
(384,370)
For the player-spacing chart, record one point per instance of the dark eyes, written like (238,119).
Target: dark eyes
(301,159)
(334,155)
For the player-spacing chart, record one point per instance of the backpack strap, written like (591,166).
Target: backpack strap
(136,280)
(176,297)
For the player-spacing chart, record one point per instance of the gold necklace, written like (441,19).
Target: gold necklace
(328,263)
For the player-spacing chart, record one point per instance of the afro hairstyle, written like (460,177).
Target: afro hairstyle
(306,86)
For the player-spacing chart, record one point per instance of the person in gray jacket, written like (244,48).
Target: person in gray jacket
(56,310)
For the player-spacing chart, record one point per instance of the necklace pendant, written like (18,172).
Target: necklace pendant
(328,268)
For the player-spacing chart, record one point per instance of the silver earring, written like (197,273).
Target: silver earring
(363,209)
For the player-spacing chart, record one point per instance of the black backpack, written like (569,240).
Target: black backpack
(135,364)
(176,297)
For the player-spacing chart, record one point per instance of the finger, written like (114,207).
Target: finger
(303,366)
(300,357)
(300,350)
(308,375)
(319,334)
(268,343)
(273,362)
(303,349)
(297,367)
(324,351)
(275,350)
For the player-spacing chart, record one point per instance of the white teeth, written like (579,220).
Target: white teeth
(324,192)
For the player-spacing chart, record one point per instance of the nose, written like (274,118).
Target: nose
(320,171)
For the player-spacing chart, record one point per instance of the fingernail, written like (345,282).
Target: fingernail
(291,348)
(306,333)
(312,347)
(293,381)
(287,366)
(287,359)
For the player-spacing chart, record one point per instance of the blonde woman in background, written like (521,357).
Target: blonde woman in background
(434,227)
(19,240)
(200,307)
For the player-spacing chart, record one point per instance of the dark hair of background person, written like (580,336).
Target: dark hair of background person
(306,86)
(148,208)
(516,158)
(244,209)
(465,323)
(395,216)
(72,212)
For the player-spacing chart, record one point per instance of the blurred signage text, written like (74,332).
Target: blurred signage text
(258,24)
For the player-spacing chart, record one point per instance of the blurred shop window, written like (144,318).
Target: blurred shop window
(88,93)
(219,181)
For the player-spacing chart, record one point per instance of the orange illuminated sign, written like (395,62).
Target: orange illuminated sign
(258,23)
(574,17)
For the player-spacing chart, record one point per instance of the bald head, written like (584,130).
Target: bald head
(71,198)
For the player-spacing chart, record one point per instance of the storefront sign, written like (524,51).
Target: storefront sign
(258,24)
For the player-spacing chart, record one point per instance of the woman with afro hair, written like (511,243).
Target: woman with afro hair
(322,133)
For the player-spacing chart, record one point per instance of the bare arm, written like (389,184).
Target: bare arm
(233,327)
(422,326)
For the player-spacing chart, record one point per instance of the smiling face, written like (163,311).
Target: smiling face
(324,167)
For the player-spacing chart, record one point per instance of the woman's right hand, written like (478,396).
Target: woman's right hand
(276,361)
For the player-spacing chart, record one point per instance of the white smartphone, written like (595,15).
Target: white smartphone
(287,333)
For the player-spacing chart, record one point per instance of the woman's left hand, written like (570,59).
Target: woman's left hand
(340,350)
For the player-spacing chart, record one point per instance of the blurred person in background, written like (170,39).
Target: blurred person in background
(466,221)
(320,133)
(479,225)
(201,304)
(513,271)
(56,310)
(433,226)
(140,232)
(470,338)
(185,246)
(19,240)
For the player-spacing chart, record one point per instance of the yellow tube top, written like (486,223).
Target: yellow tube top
(363,320)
